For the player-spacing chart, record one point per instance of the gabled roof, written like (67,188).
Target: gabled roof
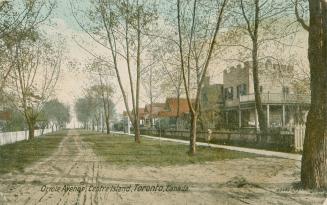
(156,108)
(171,107)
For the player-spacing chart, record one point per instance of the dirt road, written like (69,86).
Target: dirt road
(75,175)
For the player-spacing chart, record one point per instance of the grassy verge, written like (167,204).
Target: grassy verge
(15,157)
(254,145)
(121,150)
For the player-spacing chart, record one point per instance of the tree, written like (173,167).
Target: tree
(83,110)
(314,163)
(37,67)
(57,113)
(198,26)
(103,93)
(261,21)
(120,26)
(171,74)
(18,20)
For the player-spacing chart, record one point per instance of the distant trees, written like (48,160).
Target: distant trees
(83,109)
(95,107)
(101,96)
(56,114)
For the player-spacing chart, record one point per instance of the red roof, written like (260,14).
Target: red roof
(172,105)
(156,108)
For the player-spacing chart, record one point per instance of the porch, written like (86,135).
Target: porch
(277,115)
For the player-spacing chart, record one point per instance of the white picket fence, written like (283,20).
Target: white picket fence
(12,137)
(299,133)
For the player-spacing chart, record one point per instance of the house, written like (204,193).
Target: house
(211,104)
(283,105)
(142,116)
(175,110)
(152,113)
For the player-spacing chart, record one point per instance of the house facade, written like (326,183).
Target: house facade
(175,114)
(283,105)
(152,113)
(211,105)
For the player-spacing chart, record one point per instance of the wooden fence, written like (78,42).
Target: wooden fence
(299,133)
(293,138)
(12,137)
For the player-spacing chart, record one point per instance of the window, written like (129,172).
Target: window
(241,90)
(228,93)
(244,90)
(261,89)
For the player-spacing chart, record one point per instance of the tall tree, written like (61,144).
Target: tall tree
(262,23)
(37,67)
(198,25)
(314,158)
(171,74)
(103,93)
(120,26)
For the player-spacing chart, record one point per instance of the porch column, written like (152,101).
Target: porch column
(226,117)
(268,116)
(239,118)
(283,115)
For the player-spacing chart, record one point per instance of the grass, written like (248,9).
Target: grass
(16,156)
(254,145)
(122,150)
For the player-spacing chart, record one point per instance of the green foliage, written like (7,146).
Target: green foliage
(83,109)
(56,112)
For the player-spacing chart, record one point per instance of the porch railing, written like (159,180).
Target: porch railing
(277,98)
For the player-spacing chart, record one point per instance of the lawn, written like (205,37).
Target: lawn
(121,150)
(16,156)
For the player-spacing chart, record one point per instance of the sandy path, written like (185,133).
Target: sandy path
(241,181)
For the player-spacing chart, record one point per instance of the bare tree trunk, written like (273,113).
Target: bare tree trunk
(314,159)
(177,114)
(30,130)
(138,77)
(257,94)
(192,150)
(253,30)
(107,124)
(137,131)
